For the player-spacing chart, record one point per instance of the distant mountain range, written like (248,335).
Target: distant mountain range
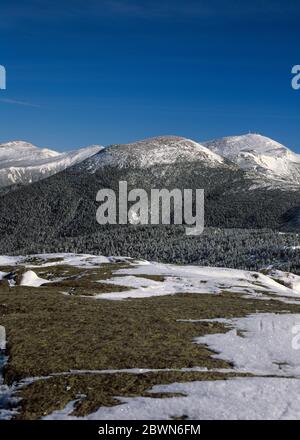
(62,208)
(267,161)
(23,163)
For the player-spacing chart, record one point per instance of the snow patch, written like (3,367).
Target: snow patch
(258,344)
(7,400)
(194,279)
(288,279)
(2,275)
(31,279)
(75,260)
(234,399)
(2,338)
(6,260)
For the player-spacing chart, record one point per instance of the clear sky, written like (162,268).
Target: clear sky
(108,71)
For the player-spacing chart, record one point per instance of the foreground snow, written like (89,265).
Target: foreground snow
(7,398)
(175,278)
(259,344)
(234,399)
(196,279)
(262,344)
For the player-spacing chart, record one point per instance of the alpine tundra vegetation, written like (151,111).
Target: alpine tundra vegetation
(109,338)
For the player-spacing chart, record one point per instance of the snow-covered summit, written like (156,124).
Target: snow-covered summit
(160,150)
(22,162)
(255,152)
(23,154)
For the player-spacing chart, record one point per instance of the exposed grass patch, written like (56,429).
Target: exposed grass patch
(48,332)
(159,278)
(41,398)
(34,260)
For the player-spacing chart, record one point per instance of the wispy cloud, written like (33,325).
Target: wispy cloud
(202,9)
(40,11)
(17,102)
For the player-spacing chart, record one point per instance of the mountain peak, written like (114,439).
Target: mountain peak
(232,145)
(161,150)
(17,144)
(22,162)
(21,151)
(255,152)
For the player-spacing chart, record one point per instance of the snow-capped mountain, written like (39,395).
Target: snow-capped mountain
(67,205)
(162,150)
(22,162)
(260,154)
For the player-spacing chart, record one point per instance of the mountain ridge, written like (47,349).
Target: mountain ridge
(62,208)
(23,163)
(271,163)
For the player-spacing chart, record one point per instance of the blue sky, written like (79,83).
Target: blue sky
(110,71)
